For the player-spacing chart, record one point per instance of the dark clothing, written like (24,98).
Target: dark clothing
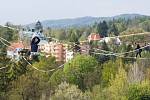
(138,54)
(138,50)
(34,48)
(34,44)
(35,40)
(147,48)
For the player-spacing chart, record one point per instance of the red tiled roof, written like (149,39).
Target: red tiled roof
(94,37)
(13,46)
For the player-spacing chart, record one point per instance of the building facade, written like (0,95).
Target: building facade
(94,37)
(58,50)
(13,49)
(69,55)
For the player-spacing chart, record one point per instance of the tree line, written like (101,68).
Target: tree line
(92,77)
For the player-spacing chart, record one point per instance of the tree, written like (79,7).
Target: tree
(57,77)
(46,63)
(26,87)
(79,68)
(12,71)
(103,58)
(61,34)
(73,36)
(38,26)
(139,91)
(67,91)
(145,25)
(118,87)
(114,30)
(7,34)
(102,29)
(109,71)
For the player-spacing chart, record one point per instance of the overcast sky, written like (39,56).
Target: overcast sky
(26,11)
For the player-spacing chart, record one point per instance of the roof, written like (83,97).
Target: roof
(94,37)
(14,46)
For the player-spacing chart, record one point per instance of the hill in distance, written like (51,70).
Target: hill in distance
(82,21)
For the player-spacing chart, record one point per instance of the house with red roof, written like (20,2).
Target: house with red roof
(14,46)
(12,50)
(94,37)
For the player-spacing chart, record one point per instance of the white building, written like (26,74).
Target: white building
(29,34)
(47,47)
(12,51)
(117,41)
(69,55)
(43,46)
(106,39)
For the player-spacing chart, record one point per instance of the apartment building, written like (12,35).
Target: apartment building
(58,50)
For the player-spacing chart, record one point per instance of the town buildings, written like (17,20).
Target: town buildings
(58,50)
(85,48)
(94,37)
(12,50)
(69,55)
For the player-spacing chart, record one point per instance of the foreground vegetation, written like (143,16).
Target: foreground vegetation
(85,77)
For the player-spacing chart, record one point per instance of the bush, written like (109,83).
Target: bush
(139,91)
(66,91)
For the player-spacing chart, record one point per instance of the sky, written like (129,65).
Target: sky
(28,11)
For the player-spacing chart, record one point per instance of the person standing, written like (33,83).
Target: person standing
(138,50)
(34,45)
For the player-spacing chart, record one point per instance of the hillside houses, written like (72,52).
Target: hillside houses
(58,50)
(61,51)
(94,37)
(12,50)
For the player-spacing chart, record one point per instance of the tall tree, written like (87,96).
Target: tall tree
(114,30)
(38,26)
(73,36)
(80,71)
(102,29)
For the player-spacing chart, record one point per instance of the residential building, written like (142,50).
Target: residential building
(12,50)
(94,37)
(69,55)
(106,39)
(44,46)
(58,51)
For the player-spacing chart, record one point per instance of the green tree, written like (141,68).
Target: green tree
(46,63)
(57,77)
(79,68)
(38,26)
(66,91)
(114,30)
(73,36)
(102,29)
(118,88)
(26,87)
(139,91)
(145,25)
(109,71)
